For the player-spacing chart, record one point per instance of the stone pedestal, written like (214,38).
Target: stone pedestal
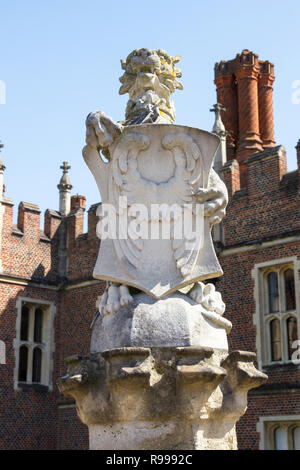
(174,398)
(175,320)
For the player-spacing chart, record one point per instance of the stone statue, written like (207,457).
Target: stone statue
(159,375)
(150,77)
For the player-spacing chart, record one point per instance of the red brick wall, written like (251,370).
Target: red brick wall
(267,210)
(27,417)
(30,418)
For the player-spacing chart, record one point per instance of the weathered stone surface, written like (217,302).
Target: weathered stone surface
(176,320)
(161,398)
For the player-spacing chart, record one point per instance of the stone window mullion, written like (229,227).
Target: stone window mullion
(30,344)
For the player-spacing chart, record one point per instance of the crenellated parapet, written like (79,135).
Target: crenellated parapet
(271,193)
(27,251)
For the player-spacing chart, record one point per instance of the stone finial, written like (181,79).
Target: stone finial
(219,129)
(64,187)
(2,168)
(298,153)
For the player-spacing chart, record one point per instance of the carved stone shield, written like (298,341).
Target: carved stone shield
(149,186)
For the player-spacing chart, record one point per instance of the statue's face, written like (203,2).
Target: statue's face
(149,79)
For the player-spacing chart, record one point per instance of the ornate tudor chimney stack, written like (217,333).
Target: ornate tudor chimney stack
(244,88)
(265,103)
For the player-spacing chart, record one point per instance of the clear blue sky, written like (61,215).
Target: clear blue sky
(60,59)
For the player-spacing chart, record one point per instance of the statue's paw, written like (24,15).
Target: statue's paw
(125,297)
(206,295)
(101,130)
(114,298)
(102,304)
(197,292)
(110,301)
(214,199)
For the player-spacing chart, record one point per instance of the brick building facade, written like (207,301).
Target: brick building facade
(48,296)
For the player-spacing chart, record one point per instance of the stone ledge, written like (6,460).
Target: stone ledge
(267,153)
(36,387)
(29,207)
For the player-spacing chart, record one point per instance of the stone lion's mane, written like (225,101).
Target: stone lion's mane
(163,63)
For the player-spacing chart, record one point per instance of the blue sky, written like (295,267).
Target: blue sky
(61,59)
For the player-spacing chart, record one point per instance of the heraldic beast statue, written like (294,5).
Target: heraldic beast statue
(159,375)
(179,172)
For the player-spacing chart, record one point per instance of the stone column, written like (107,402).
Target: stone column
(265,102)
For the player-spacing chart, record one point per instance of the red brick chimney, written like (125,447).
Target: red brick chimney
(244,88)
(77,202)
(265,103)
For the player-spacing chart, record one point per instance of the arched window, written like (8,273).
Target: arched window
(273,292)
(280,439)
(275,334)
(36,365)
(289,288)
(24,324)
(296,438)
(38,325)
(34,343)
(291,326)
(23,363)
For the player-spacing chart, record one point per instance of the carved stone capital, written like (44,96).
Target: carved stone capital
(195,393)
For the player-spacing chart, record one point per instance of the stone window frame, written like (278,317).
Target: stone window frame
(262,318)
(48,344)
(267,425)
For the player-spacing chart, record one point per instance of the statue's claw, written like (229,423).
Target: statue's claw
(214,203)
(125,297)
(113,298)
(206,295)
(101,130)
